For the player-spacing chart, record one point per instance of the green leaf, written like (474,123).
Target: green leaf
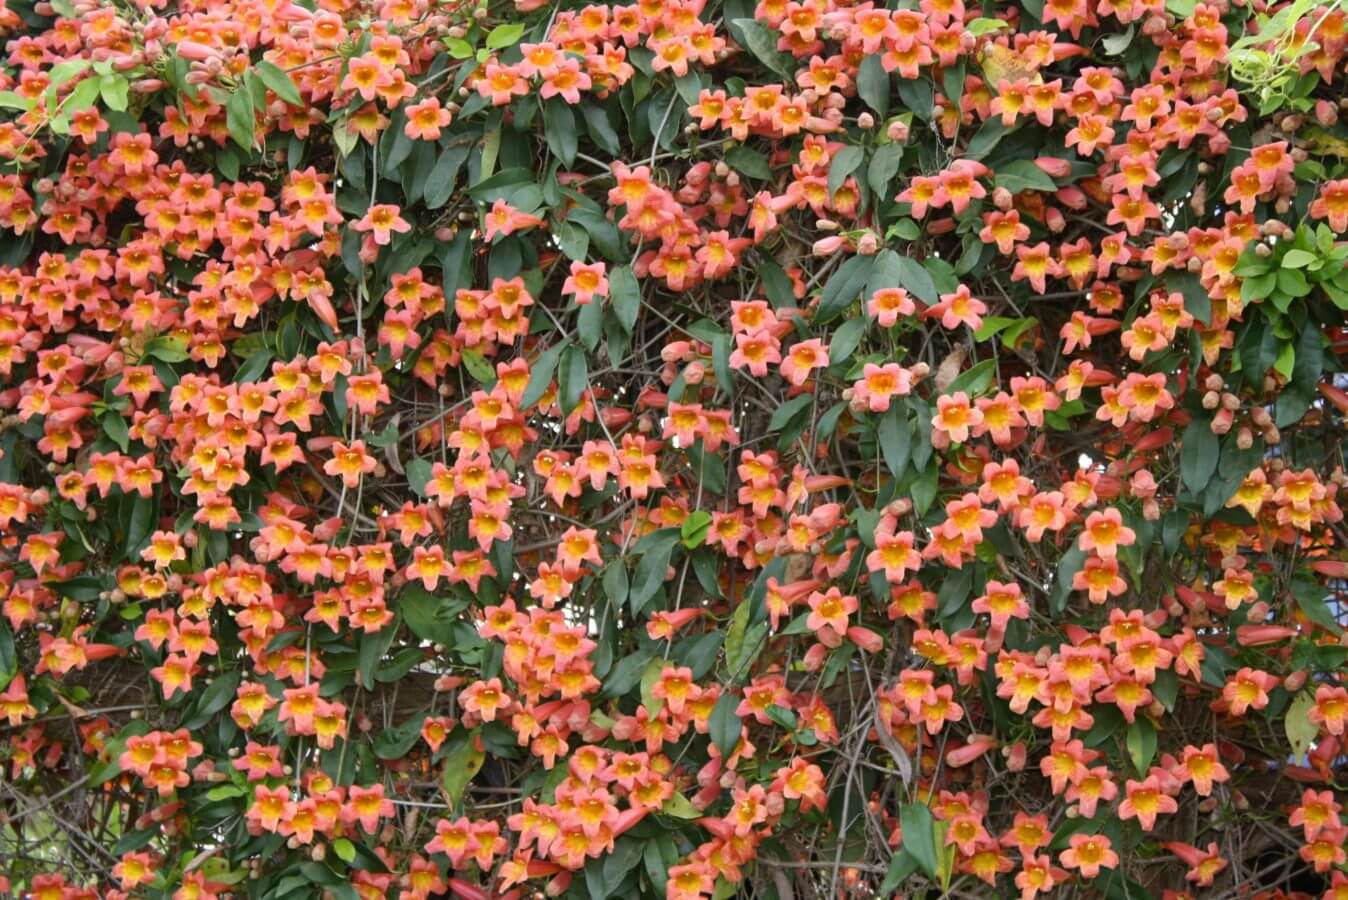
(986,139)
(1199,454)
(739,657)
(440,182)
(724,724)
(627,673)
(167,349)
(974,380)
(589,325)
(225,792)
(625,855)
(9,658)
(601,129)
(373,646)
(573,380)
(615,583)
(113,89)
(393,743)
(625,295)
(252,368)
(895,434)
(478,367)
(83,96)
(693,531)
(1166,688)
(430,617)
(62,72)
(1298,259)
(15,100)
(540,375)
(651,570)
(1023,175)
(846,340)
(240,117)
(916,280)
(1115,44)
(141,524)
(749,162)
(1197,303)
(919,837)
(1297,396)
(885,162)
(901,865)
(844,163)
(505,35)
(843,287)
(1141,742)
(1311,596)
(873,84)
(559,128)
(345,850)
(115,427)
(783,717)
(1068,567)
(461,764)
(761,41)
(278,81)
(218,694)
(787,411)
(418,473)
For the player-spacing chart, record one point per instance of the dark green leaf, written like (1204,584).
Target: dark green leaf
(439,185)
(873,84)
(916,280)
(9,658)
(1299,393)
(218,694)
(1141,741)
(895,435)
(430,617)
(885,162)
(573,380)
(724,724)
(843,287)
(784,413)
(1199,454)
(240,117)
(844,163)
(651,570)
(1196,300)
(540,375)
(749,162)
(252,368)
(846,340)
(919,837)
(625,855)
(115,427)
(625,295)
(761,41)
(1023,175)
(1068,567)
(559,128)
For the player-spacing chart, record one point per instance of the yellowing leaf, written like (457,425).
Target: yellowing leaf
(1301,731)
(1000,62)
(680,807)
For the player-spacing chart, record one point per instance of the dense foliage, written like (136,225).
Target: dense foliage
(680,449)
